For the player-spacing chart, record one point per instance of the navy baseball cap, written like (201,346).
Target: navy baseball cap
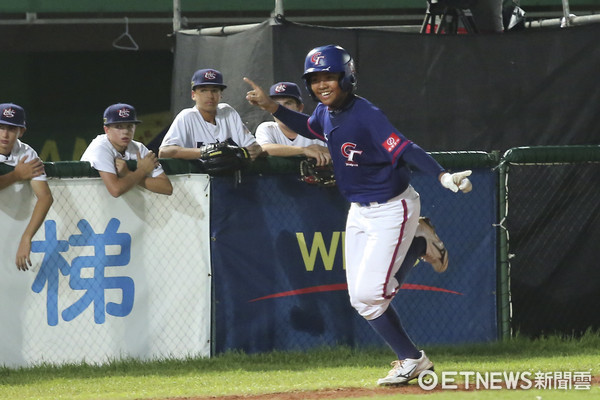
(12,114)
(286,89)
(207,77)
(120,113)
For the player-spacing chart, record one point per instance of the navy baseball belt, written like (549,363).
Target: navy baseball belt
(374,203)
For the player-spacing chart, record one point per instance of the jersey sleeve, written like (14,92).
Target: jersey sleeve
(386,137)
(401,149)
(240,133)
(263,135)
(302,124)
(178,135)
(100,157)
(418,158)
(31,154)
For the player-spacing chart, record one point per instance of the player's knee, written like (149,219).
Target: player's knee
(370,311)
(368,305)
(367,295)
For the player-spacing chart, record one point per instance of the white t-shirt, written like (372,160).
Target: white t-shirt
(19,151)
(190,130)
(102,154)
(269,132)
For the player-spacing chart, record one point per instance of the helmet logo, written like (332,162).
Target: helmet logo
(316,58)
(123,113)
(280,88)
(8,113)
(210,75)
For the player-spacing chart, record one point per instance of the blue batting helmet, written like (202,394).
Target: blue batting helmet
(330,58)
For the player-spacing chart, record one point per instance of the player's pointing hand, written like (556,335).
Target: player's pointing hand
(457,181)
(257,97)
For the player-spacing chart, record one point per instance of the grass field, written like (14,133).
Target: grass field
(301,373)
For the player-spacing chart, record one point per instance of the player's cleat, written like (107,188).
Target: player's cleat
(406,370)
(436,253)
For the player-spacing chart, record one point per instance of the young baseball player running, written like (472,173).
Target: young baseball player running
(108,152)
(278,140)
(28,167)
(384,233)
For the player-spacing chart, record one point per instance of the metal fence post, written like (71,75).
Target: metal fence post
(504,307)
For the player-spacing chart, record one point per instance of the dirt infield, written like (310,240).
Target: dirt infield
(339,393)
(322,394)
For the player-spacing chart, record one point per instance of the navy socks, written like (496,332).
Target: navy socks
(389,327)
(388,324)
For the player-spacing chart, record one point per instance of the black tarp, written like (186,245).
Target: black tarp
(445,92)
(554,226)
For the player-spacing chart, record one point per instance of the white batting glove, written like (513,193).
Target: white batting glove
(465,185)
(457,181)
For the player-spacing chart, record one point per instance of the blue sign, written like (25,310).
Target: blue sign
(277,253)
(93,287)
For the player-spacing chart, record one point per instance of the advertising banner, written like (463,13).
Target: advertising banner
(279,267)
(111,277)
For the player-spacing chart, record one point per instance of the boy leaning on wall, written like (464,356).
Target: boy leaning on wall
(27,167)
(109,152)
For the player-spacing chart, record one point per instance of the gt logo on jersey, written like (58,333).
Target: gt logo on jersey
(316,58)
(349,151)
(391,142)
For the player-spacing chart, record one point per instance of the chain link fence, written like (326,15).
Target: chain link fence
(553,224)
(111,277)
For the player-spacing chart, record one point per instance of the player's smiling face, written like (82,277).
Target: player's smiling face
(325,85)
(120,135)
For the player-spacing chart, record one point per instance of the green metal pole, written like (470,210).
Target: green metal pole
(503,286)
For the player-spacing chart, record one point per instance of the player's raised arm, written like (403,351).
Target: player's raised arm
(257,97)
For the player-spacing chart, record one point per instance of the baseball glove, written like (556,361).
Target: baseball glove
(221,157)
(314,175)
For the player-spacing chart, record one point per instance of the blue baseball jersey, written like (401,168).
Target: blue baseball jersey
(370,156)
